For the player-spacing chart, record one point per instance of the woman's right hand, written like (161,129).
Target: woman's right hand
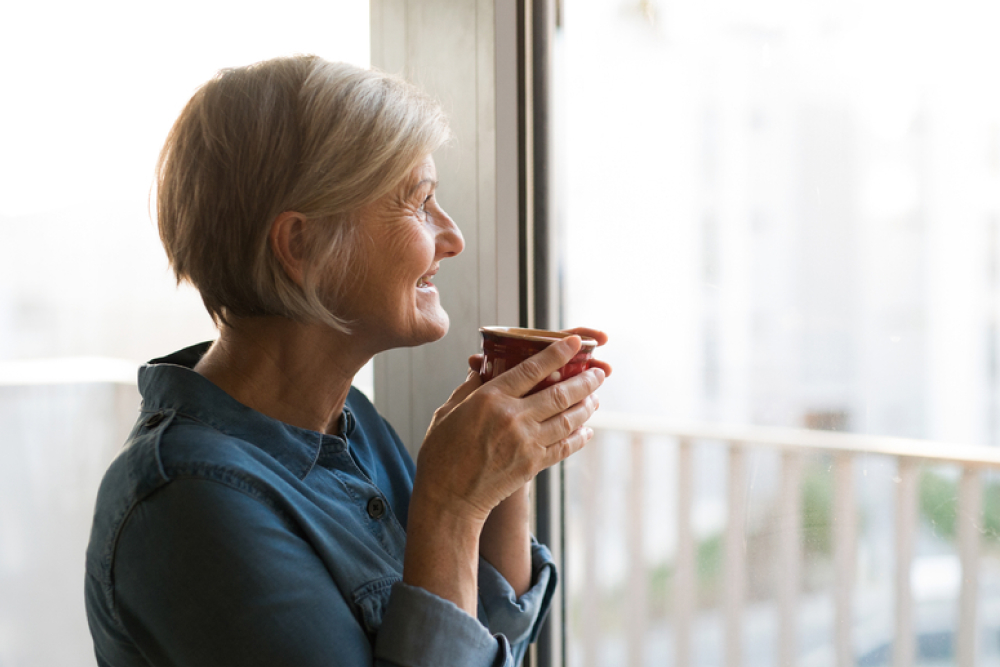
(488,440)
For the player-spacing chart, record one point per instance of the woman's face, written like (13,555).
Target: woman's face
(405,235)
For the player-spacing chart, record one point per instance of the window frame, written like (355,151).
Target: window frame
(489,63)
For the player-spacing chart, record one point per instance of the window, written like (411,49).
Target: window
(785,216)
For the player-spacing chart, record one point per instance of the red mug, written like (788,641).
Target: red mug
(506,347)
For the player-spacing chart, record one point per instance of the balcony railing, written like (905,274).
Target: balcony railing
(793,446)
(63,421)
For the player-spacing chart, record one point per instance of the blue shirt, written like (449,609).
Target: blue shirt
(224,537)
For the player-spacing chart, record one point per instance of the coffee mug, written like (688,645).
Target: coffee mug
(506,347)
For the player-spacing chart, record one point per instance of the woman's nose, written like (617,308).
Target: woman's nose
(449,241)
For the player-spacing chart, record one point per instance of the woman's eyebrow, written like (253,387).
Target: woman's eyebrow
(416,187)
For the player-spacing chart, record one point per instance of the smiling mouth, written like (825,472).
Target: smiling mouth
(425,280)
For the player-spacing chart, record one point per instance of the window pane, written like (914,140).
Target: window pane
(785,215)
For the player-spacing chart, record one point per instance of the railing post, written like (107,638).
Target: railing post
(684,579)
(847,450)
(969,519)
(789,558)
(591,620)
(635,525)
(904,644)
(845,552)
(735,554)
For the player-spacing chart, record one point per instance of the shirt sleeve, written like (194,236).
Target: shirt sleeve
(206,574)
(421,629)
(518,619)
(500,636)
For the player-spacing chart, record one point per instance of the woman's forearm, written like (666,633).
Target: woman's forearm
(505,542)
(442,552)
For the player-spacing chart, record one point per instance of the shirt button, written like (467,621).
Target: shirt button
(155,420)
(376,508)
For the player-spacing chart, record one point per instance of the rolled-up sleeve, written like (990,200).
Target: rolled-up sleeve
(518,619)
(422,630)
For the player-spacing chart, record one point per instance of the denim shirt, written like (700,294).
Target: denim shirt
(224,537)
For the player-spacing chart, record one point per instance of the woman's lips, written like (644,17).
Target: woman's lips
(425,280)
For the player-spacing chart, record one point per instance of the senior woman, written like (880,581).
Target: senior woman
(262,512)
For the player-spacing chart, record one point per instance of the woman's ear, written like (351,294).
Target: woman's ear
(288,243)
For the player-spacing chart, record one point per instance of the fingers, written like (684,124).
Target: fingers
(601,339)
(596,334)
(462,391)
(472,382)
(568,446)
(603,365)
(519,380)
(564,395)
(565,422)
(476,362)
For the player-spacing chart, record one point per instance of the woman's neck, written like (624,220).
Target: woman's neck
(296,373)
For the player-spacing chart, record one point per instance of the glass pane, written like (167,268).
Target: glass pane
(785,215)
(91,90)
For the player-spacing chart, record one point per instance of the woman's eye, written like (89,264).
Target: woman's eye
(423,204)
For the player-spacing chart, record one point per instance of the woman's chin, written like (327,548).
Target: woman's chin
(425,327)
(439,331)
(433,329)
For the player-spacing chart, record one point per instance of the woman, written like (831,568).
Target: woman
(256,515)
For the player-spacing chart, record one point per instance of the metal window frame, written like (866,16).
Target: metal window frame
(539,288)
(489,63)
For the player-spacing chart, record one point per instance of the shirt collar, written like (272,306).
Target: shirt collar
(170,383)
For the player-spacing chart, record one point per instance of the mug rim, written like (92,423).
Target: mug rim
(537,335)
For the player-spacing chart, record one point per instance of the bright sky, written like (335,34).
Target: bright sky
(90,89)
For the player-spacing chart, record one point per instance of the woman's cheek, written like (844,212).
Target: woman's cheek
(413,251)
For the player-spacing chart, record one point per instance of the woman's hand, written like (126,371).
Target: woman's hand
(483,446)
(601,339)
(489,440)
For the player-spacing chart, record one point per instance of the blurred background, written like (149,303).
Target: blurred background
(787,215)
(90,92)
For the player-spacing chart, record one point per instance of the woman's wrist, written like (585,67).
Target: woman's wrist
(444,513)
(505,542)
(442,550)
(515,510)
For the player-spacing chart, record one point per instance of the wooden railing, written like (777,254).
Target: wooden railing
(793,446)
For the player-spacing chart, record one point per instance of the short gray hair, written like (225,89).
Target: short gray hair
(289,134)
